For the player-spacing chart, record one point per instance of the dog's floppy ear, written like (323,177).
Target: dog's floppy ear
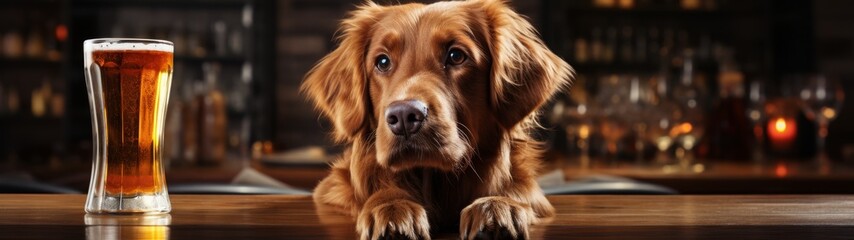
(337,84)
(525,73)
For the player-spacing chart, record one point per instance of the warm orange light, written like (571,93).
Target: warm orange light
(781,170)
(584,131)
(61,32)
(828,113)
(782,132)
(686,127)
(627,4)
(682,128)
(780,125)
(268,147)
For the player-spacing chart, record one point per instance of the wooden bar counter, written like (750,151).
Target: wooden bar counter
(578,217)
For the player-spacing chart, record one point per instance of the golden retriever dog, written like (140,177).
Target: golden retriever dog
(434,104)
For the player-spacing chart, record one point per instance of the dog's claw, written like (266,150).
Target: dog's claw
(401,219)
(495,218)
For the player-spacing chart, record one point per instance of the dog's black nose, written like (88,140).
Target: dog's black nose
(405,117)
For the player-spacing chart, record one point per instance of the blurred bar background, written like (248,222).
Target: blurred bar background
(713,88)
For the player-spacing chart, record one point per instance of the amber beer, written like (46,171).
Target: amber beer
(133,85)
(129,82)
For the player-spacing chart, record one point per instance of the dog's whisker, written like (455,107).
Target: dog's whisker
(467,161)
(466,137)
(439,146)
(475,173)
(462,130)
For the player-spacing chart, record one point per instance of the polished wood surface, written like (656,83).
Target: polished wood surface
(579,217)
(722,176)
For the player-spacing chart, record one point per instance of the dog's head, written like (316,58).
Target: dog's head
(428,84)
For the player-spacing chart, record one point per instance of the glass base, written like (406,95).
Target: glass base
(151,204)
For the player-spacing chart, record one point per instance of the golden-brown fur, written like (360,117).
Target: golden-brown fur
(472,165)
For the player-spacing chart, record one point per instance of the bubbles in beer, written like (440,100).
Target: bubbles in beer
(134,85)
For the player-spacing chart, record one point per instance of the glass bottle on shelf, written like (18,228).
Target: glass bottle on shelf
(35,45)
(220,38)
(596,45)
(212,114)
(610,50)
(39,99)
(756,99)
(239,119)
(663,115)
(13,100)
(190,122)
(235,41)
(574,112)
(690,95)
(13,44)
(613,122)
(240,34)
(821,99)
(729,132)
(57,105)
(580,50)
(626,50)
(37,104)
(638,112)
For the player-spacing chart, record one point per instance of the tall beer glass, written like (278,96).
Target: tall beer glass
(128,82)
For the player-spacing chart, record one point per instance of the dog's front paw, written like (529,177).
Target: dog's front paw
(398,219)
(495,218)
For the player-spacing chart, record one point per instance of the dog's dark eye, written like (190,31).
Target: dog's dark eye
(455,57)
(383,63)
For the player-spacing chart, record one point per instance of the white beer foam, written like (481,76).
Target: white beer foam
(119,45)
